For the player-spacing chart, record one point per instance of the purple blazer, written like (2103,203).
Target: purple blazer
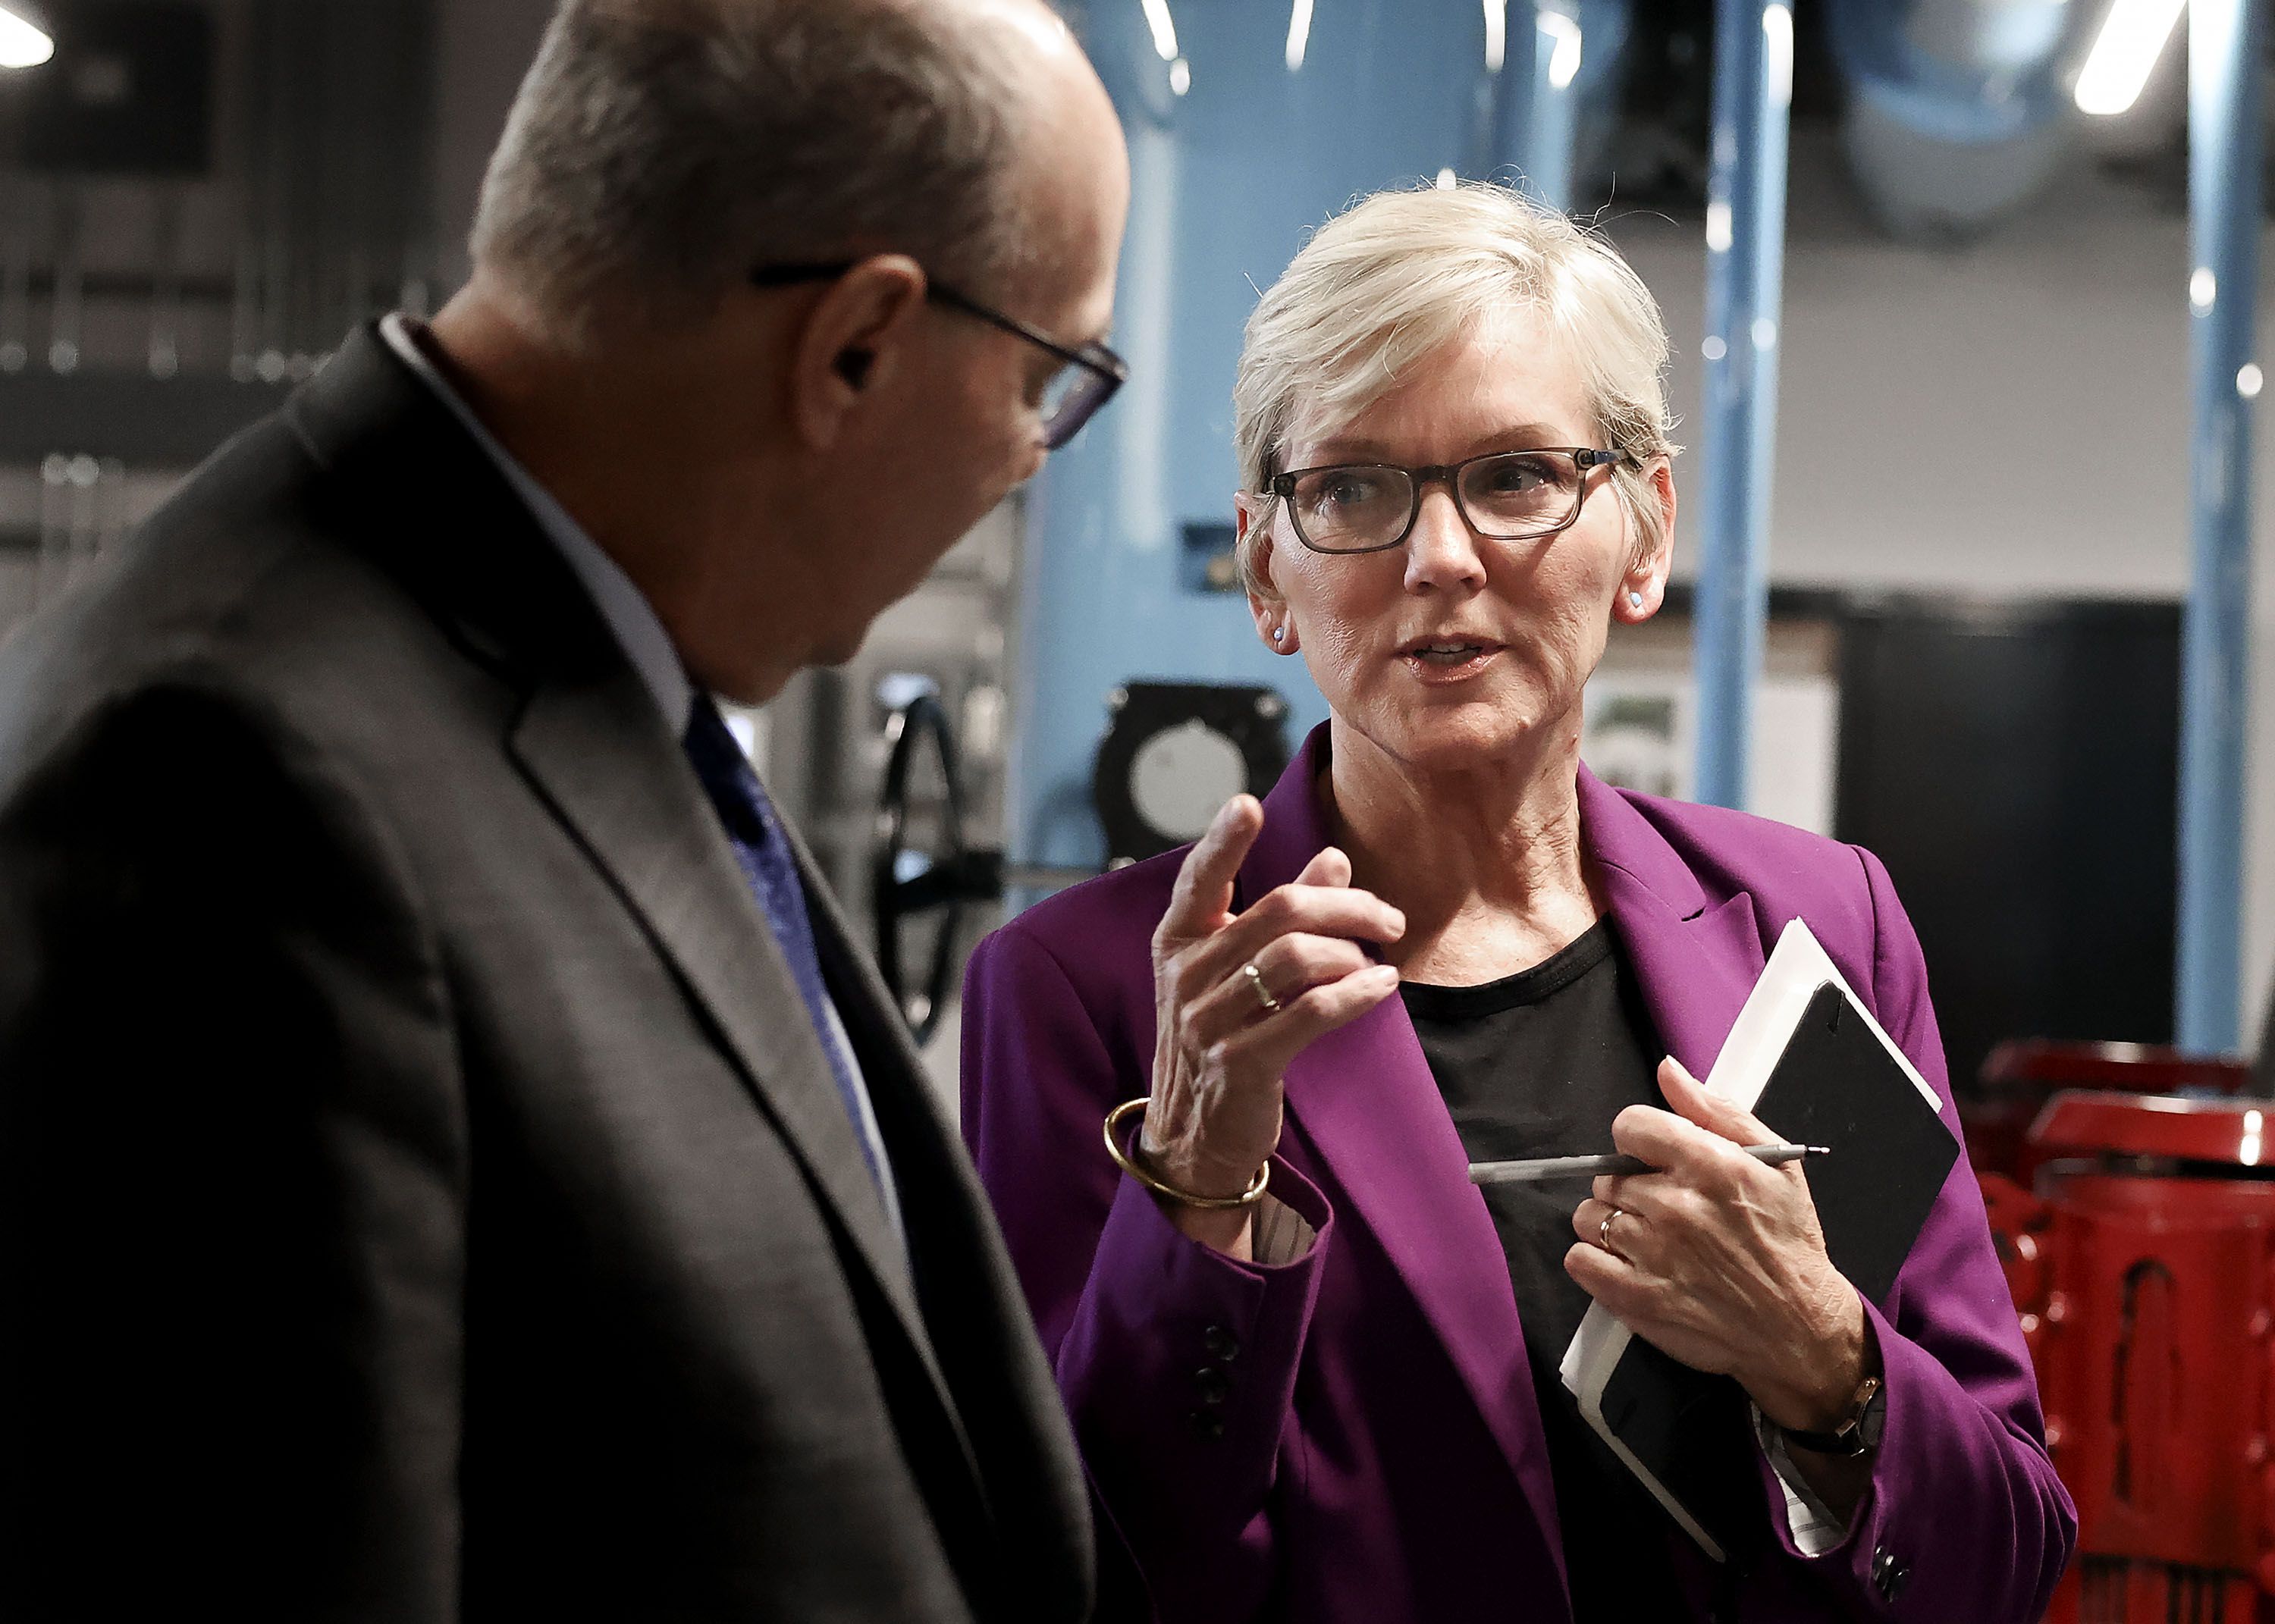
(1376,1456)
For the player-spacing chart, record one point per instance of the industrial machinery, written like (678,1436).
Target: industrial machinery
(1177,752)
(1172,754)
(906,883)
(2140,1254)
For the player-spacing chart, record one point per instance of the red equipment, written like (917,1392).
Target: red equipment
(2019,1077)
(2143,1265)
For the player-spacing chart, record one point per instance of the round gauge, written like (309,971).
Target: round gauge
(1182,775)
(1174,753)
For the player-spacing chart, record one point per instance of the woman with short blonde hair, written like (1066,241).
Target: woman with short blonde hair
(1312,1369)
(1399,276)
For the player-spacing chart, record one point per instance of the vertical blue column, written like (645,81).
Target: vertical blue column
(1546,104)
(1235,158)
(2224,206)
(1554,115)
(1745,262)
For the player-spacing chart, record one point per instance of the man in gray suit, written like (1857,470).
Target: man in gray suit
(451,1162)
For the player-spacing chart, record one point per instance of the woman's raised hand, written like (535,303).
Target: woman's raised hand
(1235,997)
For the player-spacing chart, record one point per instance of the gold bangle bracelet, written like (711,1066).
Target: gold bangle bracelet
(1127,1163)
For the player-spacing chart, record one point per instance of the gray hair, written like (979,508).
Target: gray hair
(661,149)
(1402,274)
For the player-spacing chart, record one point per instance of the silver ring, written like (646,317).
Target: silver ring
(1263,993)
(1604,1236)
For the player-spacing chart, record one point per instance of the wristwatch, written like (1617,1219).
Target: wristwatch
(1857,1435)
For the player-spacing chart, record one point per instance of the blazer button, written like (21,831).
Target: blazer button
(1222,1345)
(1212,1383)
(1207,1423)
(1888,1574)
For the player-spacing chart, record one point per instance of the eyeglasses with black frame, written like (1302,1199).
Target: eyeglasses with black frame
(1088,375)
(1504,496)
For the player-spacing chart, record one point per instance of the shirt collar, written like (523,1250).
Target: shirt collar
(626,610)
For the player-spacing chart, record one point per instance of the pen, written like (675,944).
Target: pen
(1590,1167)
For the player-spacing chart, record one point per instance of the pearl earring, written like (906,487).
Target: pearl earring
(1635,600)
(1279,633)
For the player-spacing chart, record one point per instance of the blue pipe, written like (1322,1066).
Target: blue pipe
(1555,112)
(1745,262)
(1959,112)
(1536,133)
(2224,207)
(1228,177)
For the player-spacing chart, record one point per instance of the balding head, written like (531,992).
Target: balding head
(660,150)
(773,461)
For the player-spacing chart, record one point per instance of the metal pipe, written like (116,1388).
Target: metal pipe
(1745,261)
(1553,116)
(2224,207)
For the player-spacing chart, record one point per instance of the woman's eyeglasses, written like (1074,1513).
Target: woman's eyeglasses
(1505,496)
(1087,376)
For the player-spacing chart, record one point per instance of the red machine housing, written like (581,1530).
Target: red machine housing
(2140,1254)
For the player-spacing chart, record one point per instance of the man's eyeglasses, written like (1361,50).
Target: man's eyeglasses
(1087,379)
(1505,496)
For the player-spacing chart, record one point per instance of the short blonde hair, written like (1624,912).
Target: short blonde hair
(1400,274)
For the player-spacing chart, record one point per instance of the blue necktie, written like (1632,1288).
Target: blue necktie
(763,853)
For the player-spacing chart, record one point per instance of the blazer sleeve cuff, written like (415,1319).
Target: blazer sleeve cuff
(1180,1369)
(1915,1545)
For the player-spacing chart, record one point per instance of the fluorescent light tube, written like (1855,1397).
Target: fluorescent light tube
(1299,34)
(22,45)
(1564,61)
(1777,38)
(1164,28)
(2132,38)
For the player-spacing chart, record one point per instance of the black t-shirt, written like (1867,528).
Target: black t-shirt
(1539,1064)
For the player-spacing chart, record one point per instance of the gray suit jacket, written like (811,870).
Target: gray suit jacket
(422,1193)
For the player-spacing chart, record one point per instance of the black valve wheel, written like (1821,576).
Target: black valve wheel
(907,883)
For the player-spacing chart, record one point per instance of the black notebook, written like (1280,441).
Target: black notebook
(1808,1061)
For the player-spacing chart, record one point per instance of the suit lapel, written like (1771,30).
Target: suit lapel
(589,741)
(1695,959)
(603,761)
(1006,1423)
(1362,1098)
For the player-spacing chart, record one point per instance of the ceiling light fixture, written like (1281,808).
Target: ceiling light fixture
(1777,37)
(2117,69)
(1564,61)
(1299,34)
(1164,28)
(1496,34)
(21,44)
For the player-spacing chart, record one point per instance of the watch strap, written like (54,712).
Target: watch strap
(1857,1435)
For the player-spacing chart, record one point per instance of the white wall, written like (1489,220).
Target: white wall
(2005,421)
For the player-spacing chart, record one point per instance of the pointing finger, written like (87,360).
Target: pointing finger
(1204,889)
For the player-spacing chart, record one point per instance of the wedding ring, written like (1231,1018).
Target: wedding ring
(1263,993)
(1604,1236)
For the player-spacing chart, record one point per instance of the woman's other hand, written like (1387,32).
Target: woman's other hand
(1719,1261)
(1220,1048)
